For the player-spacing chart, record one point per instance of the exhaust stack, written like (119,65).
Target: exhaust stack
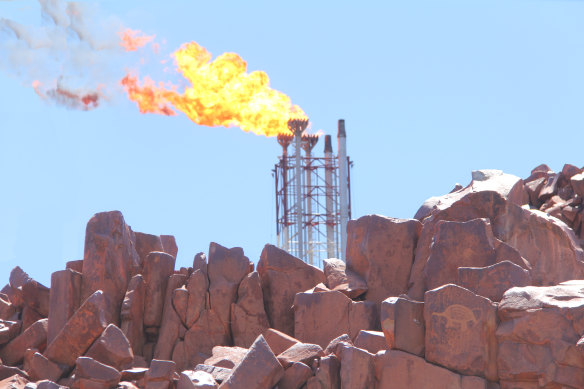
(343,186)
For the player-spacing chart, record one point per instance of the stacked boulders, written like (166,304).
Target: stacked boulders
(480,290)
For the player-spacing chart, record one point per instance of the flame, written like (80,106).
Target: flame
(132,40)
(222,93)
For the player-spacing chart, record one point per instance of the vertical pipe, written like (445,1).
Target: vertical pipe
(309,204)
(299,211)
(328,181)
(342,137)
(286,237)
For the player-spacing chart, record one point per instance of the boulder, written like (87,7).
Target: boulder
(343,280)
(112,348)
(402,322)
(328,373)
(371,341)
(160,374)
(205,334)
(132,314)
(492,281)
(180,302)
(169,244)
(29,316)
(171,323)
(460,331)
(278,341)
(9,371)
(577,182)
(200,263)
(92,374)
(226,268)
(14,382)
(80,331)
(9,330)
(75,265)
(147,243)
(282,276)
(7,309)
(158,267)
(190,379)
(333,346)
(381,251)
(219,374)
(396,369)
(295,376)
(300,352)
(259,368)
(30,292)
(226,357)
(65,298)
(363,315)
(197,287)
(248,316)
(109,260)
(356,367)
(39,367)
(34,336)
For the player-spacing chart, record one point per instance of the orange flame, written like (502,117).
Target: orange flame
(222,93)
(132,40)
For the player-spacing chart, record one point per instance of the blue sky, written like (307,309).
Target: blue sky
(430,90)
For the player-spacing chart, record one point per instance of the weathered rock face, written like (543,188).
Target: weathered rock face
(132,314)
(109,259)
(65,298)
(402,322)
(460,331)
(381,251)
(158,267)
(112,348)
(492,281)
(90,373)
(539,334)
(282,276)
(343,280)
(248,317)
(34,336)
(170,329)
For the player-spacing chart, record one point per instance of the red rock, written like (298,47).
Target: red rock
(295,376)
(169,244)
(147,243)
(132,314)
(190,379)
(282,276)
(32,293)
(206,333)
(160,374)
(492,281)
(226,357)
(577,182)
(134,374)
(248,316)
(81,330)
(220,374)
(65,298)
(14,382)
(29,316)
(109,260)
(473,382)
(171,323)
(75,266)
(7,310)
(550,187)
(328,373)
(92,373)
(456,244)
(334,344)
(533,188)
(278,341)
(356,367)
(180,302)
(39,367)
(180,356)
(371,341)
(460,331)
(381,251)
(200,263)
(158,267)
(300,352)
(568,171)
(343,280)
(197,286)
(34,336)
(9,330)
(402,322)
(363,315)
(126,385)
(227,268)
(112,348)
(259,368)
(396,369)
(9,371)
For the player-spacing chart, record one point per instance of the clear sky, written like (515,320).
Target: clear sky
(430,90)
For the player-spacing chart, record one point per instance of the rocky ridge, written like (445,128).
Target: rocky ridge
(484,288)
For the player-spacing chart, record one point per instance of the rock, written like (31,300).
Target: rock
(109,260)
(205,334)
(134,374)
(333,345)
(328,373)
(220,374)
(343,280)
(75,266)
(402,322)
(90,373)
(9,371)
(550,187)
(64,300)
(295,376)
(7,309)
(132,314)
(80,331)
(180,302)
(29,316)
(460,331)
(200,263)
(381,251)
(371,341)
(356,368)
(39,367)
(34,336)
(363,315)
(112,348)
(278,341)
(226,357)
(227,268)
(9,330)
(577,182)
(171,323)
(180,356)
(396,369)
(190,379)
(472,382)
(147,243)
(158,267)
(160,374)
(14,382)
(282,276)
(248,316)
(538,336)
(456,244)
(47,384)
(30,292)
(492,281)
(258,369)
(169,244)
(300,352)
(197,287)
